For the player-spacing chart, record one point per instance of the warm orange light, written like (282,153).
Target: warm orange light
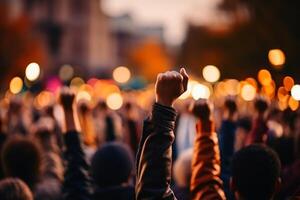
(264,77)
(293,104)
(114,101)
(248,92)
(251,81)
(44,99)
(16,85)
(200,91)
(121,74)
(276,57)
(282,94)
(288,83)
(211,73)
(231,87)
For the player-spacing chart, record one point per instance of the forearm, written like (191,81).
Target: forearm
(155,155)
(205,180)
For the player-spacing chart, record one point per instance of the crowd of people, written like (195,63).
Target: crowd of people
(195,150)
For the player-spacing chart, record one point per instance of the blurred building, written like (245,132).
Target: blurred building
(73,31)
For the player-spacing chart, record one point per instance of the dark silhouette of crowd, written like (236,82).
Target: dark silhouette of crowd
(189,150)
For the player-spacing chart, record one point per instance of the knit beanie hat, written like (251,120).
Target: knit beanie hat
(112,164)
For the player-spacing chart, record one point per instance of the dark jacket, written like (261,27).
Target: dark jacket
(77,183)
(154,157)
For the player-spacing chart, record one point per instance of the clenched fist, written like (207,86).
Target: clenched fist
(67,98)
(170,85)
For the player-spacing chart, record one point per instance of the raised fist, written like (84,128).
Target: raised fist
(66,98)
(201,110)
(83,107)
(170,85)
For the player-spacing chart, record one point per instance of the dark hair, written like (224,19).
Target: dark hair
(255,170)
(245,123)
(13,188)
(21,158)
(112,165)
(260,105)
(230,105)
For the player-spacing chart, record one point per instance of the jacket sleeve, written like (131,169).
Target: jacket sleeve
(205,180)
(76,182)
(154,157)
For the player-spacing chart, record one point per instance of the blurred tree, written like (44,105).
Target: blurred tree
(257,26)
(18,46)
(150,58)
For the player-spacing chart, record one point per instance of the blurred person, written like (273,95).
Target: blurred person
(15,120)
(184,130)
(19,151)
(154,157)
(111,165)
(108,124)
(256,173)
(41,171)
(259,132)
(86,119)
(131,125)
(243,128)
(111,170)
(14,189)
(182,171)
(255,169)
(226,137)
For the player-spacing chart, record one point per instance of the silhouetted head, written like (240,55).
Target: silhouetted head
(255,173)
(112,165)
(230,105)
(260,106)
(21,158)
(245,123)
(14,189)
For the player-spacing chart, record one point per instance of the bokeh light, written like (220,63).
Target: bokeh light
(288,83)
(295,92)
(66,72)
(276,57)
(44,98)
(293,104)
(16,85)
(32,71)
(200,91)
(114,101)
(282,94)
(121,74)
(248,92)
(83,95)
(264,77)
(76,82)
(211,73)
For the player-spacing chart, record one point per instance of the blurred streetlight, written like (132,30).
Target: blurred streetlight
(83,95)
(66,72)
(276,57)
(121,74)
(264,77)
(16,85)
(295,92)
(76,82)
(288,83)
(211,73)
(32,71)
(200,91)
(114,101)
(293,104)
(248,92)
